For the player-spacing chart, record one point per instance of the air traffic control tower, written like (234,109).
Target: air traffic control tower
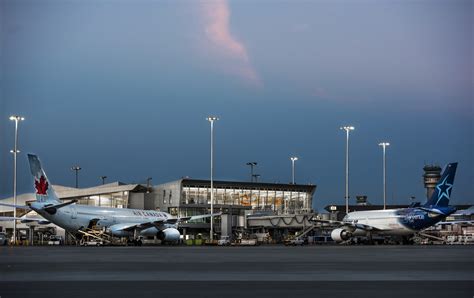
(430,178)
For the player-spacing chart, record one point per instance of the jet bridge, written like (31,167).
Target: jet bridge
(280,227)
(297,221)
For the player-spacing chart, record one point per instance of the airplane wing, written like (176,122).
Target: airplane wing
(182,219)
(159,223)
(468,222)
(141,226)
(351,224)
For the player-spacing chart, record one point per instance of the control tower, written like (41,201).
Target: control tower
(430,178)
(362,201)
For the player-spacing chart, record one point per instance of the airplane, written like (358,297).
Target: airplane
(118,222)
(403,222)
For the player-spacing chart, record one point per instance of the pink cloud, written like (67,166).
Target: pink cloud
(219,39)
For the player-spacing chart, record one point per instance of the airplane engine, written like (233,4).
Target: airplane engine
(116,230)
(340,235)
(169,235)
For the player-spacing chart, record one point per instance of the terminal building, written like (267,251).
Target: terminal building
(237,201)
(186,197)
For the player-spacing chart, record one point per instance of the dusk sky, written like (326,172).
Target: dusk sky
(122,88)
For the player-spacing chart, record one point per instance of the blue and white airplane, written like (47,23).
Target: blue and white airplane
(399,222)
(119,222)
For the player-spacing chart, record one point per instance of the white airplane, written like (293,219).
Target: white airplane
(398,222)
(119,222)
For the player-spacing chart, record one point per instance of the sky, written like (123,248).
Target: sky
(122,88)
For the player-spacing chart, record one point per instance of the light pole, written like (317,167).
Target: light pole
(251,164)
(293,159)
(384,145)
(256,176)
(15,151)
(347,129)
(103,179)
(148,184)
(211,120)
(76,169)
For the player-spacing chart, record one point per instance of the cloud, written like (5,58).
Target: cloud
(216,15)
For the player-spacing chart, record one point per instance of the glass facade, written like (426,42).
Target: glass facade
(264,199)
(114,199)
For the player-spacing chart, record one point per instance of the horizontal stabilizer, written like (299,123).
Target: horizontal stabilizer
(52,209)
(9,218)
(17,206)
(432,210)
(41,221)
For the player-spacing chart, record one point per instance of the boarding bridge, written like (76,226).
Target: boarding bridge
(294,221)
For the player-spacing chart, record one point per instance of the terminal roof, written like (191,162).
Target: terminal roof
(252,185)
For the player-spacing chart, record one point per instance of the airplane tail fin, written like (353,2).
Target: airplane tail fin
(442,192)
(43,187)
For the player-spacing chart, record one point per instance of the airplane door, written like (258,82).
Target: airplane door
(73,211)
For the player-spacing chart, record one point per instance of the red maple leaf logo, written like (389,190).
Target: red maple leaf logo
(41,186)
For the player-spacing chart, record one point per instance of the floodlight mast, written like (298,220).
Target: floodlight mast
(76,169)
(347,129)
(384,145)
(211,120)
(15,151)
(293,159)
(251,164)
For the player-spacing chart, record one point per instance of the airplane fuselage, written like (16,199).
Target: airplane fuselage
(76,217)
(396,222)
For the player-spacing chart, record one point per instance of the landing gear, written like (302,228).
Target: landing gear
(370,240)
(406,240)
(163,242)
(134,242)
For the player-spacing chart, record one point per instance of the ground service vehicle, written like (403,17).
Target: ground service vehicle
(224,241)
(3,239)
(55,240)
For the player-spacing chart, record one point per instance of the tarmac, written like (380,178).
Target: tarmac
(264,271)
